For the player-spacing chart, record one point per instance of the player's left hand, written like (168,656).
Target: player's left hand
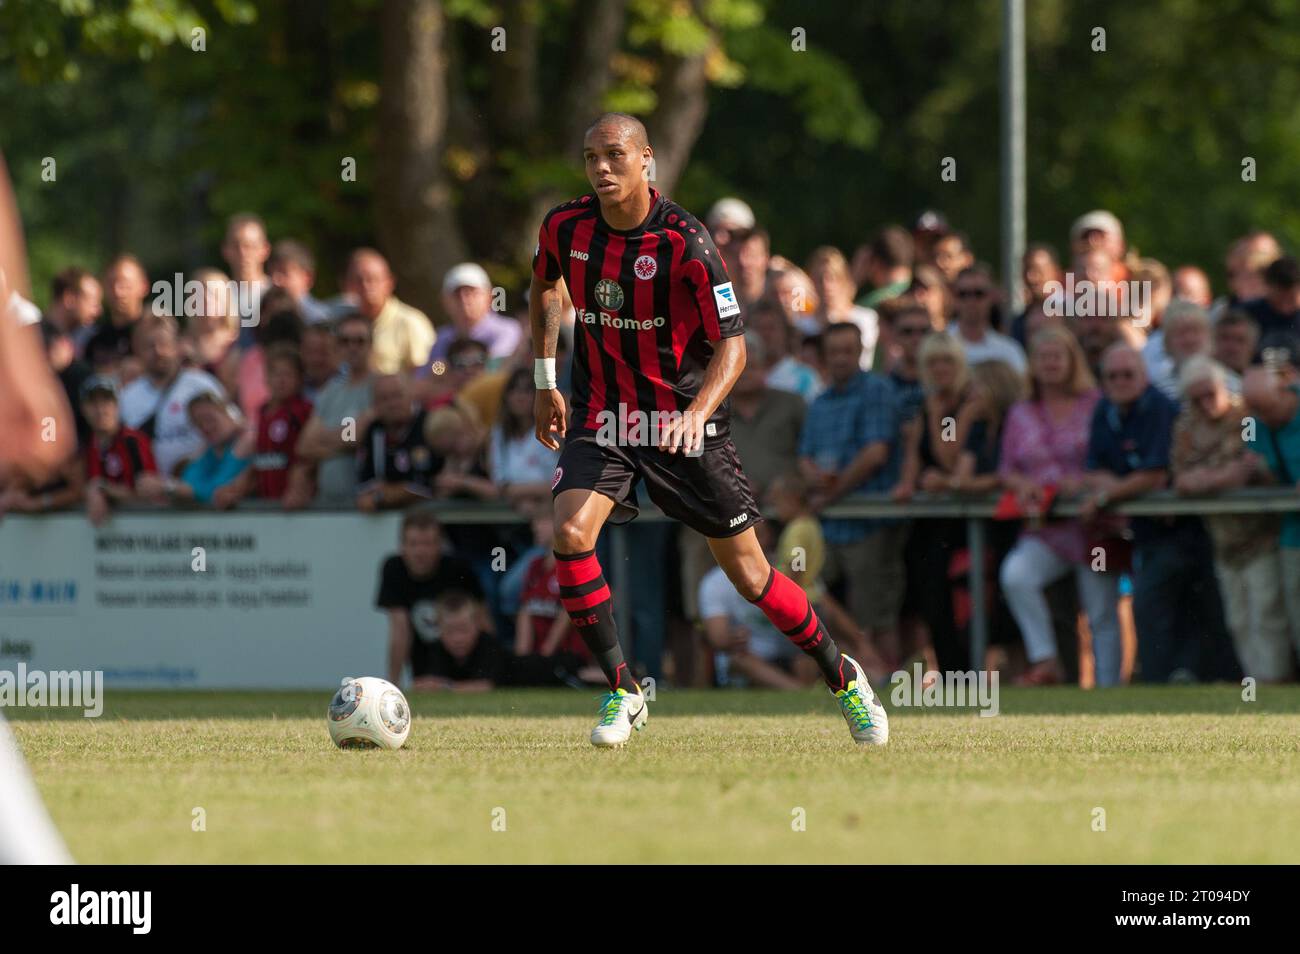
(684,432)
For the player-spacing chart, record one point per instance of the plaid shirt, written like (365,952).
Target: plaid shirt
(843,420)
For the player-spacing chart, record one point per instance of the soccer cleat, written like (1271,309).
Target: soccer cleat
(868,723)
(620,712)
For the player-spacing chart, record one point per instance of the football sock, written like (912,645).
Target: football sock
(586,598)
(786,605)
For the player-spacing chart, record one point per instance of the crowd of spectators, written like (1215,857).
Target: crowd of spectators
(899,370)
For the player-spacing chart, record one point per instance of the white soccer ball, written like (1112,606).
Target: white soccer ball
(369,713)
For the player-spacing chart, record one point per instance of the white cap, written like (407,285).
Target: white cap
(466,273)
(730,213)
(1098,219)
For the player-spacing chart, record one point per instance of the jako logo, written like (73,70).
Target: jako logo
(103,907)
(580,256)
(737,521)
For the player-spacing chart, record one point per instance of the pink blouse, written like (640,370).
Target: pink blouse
(1048,451)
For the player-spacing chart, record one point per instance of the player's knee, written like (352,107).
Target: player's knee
(749,582)
(572,537)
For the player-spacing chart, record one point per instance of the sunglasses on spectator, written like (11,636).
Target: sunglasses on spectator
(354,339)
(973,293)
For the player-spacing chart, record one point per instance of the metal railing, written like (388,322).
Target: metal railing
(974,510)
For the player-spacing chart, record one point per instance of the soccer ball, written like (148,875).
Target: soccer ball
(369,713)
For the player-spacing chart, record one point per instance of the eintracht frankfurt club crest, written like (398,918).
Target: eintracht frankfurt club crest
(609,295)
(645,267)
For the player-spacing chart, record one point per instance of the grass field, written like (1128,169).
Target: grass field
(1187,774)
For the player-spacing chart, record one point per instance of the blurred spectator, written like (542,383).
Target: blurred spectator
(454,434)
(930,289)
(974,326)
(467,298)
(76,303)
(125,287)
(401,336)
(409,583)
(908,323)
(521,466)
(1039,268)
(157,402)
(466,657)
(1244,266)
(327,449)
(1236,339)
(830,276)
(784,369)
(211,337)
(466,363)
(71,372)
(1192,284)
(765,421)
(246,250)
(1101,229)
(1045,445)
(1144,327)
(1272,395)
(1176,601)
(888,263)
(791,287)
(292,267)
(929,228)
(280,422)
(1096,334)
(212,477)
(1186,335)
(1279,309)
(320,360)
(952,256)
(727,216)
(115,455)
(748,256)
(1208,456)
(280,325)
(849,444)
(395,466)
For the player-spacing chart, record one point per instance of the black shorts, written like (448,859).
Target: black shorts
(708,493)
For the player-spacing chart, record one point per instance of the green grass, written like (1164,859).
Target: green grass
(1183,774)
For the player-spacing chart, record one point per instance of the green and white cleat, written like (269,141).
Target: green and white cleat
(620,712)
(868,723)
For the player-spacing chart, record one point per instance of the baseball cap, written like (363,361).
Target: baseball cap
(101,383)
(466,274)
(730,213)
(1097,219)
(931,220)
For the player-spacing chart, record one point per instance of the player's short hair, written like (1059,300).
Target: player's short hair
(893,246)
(420,520)
(68,280)
(292,252)
(625,122)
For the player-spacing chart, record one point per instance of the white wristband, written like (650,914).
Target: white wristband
(544,373)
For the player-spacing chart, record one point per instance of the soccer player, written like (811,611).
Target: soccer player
(30,397)
(658,338)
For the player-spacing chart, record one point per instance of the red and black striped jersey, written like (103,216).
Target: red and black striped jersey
(122,459)
(278,430)
(650,302)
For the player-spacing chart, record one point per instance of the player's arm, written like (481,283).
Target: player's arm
(687,431)
(399,644)
(545,306)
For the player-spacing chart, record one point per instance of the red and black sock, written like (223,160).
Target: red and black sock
(786,605)
(586,598)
